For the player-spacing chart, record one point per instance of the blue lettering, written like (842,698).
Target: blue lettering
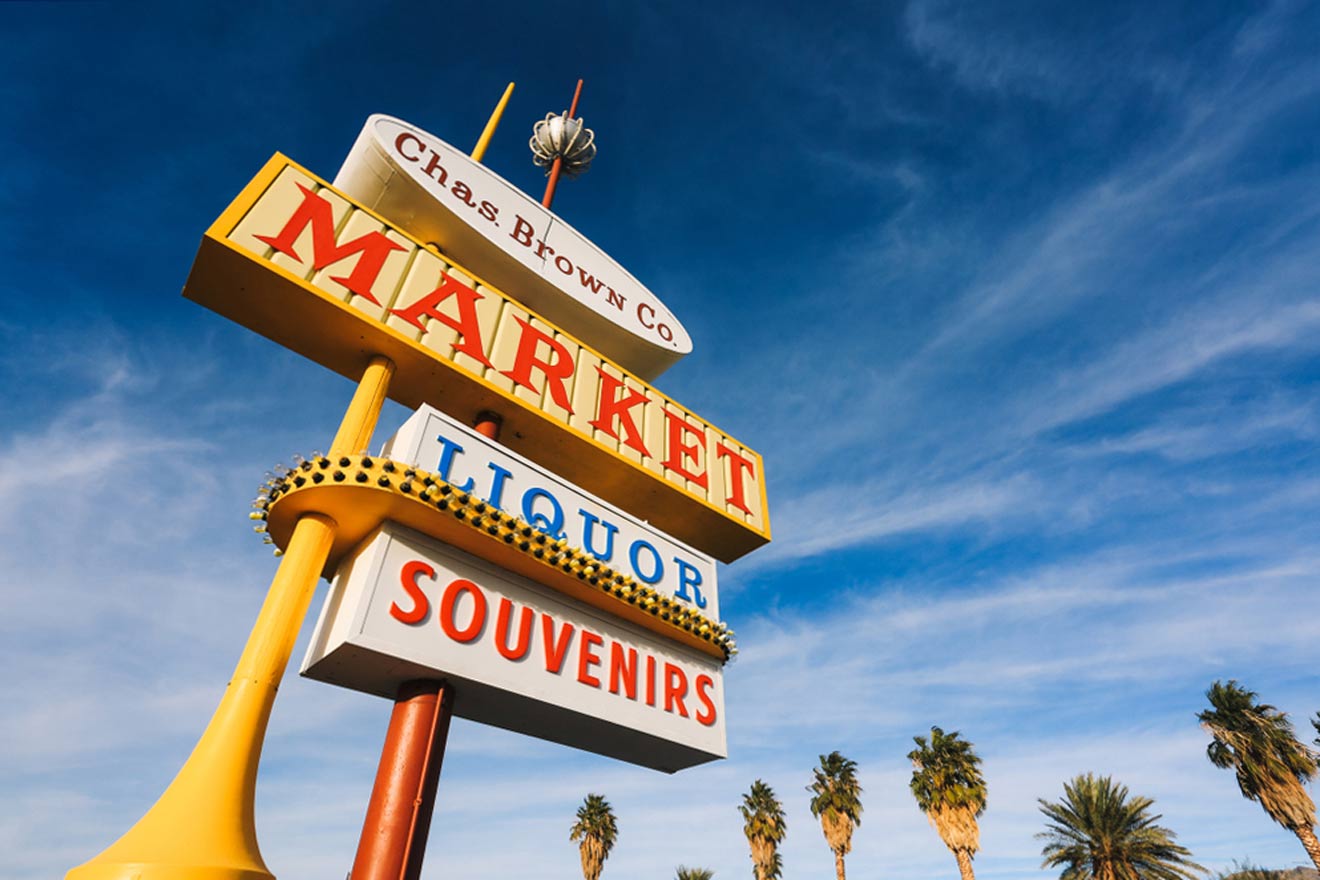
(688,576)
(636,565)
(497,485)
(447,461)
(589,522)
(554,527)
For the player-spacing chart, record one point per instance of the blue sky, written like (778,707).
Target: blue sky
(1018,302)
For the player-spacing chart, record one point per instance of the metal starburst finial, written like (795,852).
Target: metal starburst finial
(559,136)
(563,144)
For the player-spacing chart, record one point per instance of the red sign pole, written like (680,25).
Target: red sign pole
(393,841)
(559,160)
(398,820)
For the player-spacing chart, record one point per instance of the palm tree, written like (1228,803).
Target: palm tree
(685,873)
(765,827)
(1272,765)
(1246,871)
(949,788)
(1097,833)
(596,828)
(837,803)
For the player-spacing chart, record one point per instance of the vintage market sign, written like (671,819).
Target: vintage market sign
(307,267)
(436,193)
(455,453)
(521,657)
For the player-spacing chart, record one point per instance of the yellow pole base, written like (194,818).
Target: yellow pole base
(100,871)
(203,827)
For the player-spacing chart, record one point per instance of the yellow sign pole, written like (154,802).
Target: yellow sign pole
(479,151)
(364,409)
(398,820)
(202,827)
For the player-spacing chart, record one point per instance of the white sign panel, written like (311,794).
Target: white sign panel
(435,192)
(454,452)
(520,656)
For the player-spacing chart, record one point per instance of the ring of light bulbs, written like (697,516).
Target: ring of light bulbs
(443,498)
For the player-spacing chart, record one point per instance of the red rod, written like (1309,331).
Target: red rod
(398,820)
(559,160)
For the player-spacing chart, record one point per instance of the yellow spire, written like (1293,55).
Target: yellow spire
(484,141)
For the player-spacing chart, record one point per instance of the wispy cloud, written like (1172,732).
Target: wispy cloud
(1181,349)
(1018,304)
(836,516)
(1078,315)
(1104,630)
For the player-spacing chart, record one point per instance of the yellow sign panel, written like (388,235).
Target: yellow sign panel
(298,262)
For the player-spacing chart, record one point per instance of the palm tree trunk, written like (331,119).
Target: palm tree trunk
(1307,837)
(838,864)
(965,864)
(593,858)
(761,858)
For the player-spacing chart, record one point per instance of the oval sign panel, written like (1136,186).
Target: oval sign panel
(438,194)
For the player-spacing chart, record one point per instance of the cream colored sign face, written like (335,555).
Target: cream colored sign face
(520,657)
(437,194)
(333,281)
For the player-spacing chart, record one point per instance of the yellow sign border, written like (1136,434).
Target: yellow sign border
(276,303)
(367,491)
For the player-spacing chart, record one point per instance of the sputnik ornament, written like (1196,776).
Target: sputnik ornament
(562,143)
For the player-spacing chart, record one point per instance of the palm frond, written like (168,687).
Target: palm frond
(837,802)
(949,788)
(685,873)
(1258,743)
(1097,830)
(598,831)
(765,826)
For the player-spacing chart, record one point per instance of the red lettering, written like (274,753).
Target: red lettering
(555,649)
(557,369)
(623,671)
(502,631)
(464,192)
(587,658)
(706,716)
(737,491)
(373,247)
(401,139)
(469,329)
(542,247)
(642,320)
(679,429)
(614,299)
(589,280)
(522,231)
(650,680)
(408,577)
(434,165)
(675,688)
(449,602)
(614,409)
